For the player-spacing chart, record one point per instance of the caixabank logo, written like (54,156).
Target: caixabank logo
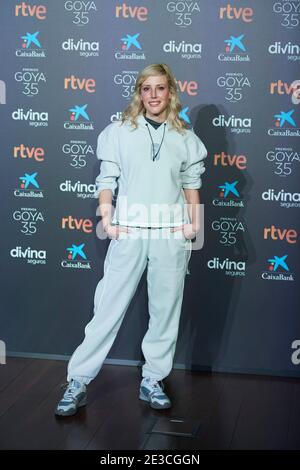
(290,51)
(229,195)
(29,219)
(80,11)
(284,161)
(282,198)
(31,46)
(29,186)
(30,117)
(183,13)
(235,124)
(131,48)
(277,269)
(288,12)
(78,152)
(76,257)
(81,47)
(284,125)
(81,190)
(230,267)
(30,81)
(229,230)
(29,255)
(79,119)
(34,11)
(235,50)
(234,85)
(227,160)
(125,80)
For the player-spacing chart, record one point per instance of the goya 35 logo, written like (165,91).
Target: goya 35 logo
(30,81)
(81,11)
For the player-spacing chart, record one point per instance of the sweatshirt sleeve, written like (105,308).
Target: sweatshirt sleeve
(194,166)
(108,154)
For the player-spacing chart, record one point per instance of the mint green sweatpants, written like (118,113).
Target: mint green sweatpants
(166,256)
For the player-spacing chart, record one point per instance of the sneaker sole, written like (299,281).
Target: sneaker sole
(152,405)
(82,403)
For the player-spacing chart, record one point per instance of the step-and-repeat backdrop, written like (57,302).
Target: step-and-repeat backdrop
(68,69)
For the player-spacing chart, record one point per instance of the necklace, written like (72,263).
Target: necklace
(155,152)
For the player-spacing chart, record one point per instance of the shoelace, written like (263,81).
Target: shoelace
(69,388)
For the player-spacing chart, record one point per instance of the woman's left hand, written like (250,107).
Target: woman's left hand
(188,229)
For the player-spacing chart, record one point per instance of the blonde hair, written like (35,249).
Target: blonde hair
(136,107)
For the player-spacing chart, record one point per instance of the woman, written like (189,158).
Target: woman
(156,163)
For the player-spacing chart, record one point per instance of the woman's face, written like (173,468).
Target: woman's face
(155,96)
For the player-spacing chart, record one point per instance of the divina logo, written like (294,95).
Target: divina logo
(22,151)
(232,268)
(37,11)
(277,269)
(31,46)
(75,83)
(84,48)
(287,200)
(76,258)
(128,11)
(291,51)
(233,13)
(187,50)
(33,118)
(130,45)
(275,233)
(223,159)
(32,256)
(72,223)
(235,50)
(83,190)
(29,186)
(79,119)
(237,125)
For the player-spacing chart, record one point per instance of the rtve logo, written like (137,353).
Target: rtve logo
(223,159)
(283,88)
(75,83)
(72,223)
(289,235)
(232,13)
(22,151)
(39,11)
(124,11)
(191,87)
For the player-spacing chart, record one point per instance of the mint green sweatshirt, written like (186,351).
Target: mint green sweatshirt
(150,191)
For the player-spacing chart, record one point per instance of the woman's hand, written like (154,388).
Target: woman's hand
(113,231)
(189,230)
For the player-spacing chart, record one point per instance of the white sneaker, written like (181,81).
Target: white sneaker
(74,397)
(152,391)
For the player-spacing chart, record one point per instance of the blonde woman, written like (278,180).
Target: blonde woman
(156,163)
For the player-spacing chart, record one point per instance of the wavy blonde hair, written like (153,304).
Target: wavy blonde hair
(136,107)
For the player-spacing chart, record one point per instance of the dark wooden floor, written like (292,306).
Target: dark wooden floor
(234,411)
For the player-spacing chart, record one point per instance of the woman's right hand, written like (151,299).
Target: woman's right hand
(113,231)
